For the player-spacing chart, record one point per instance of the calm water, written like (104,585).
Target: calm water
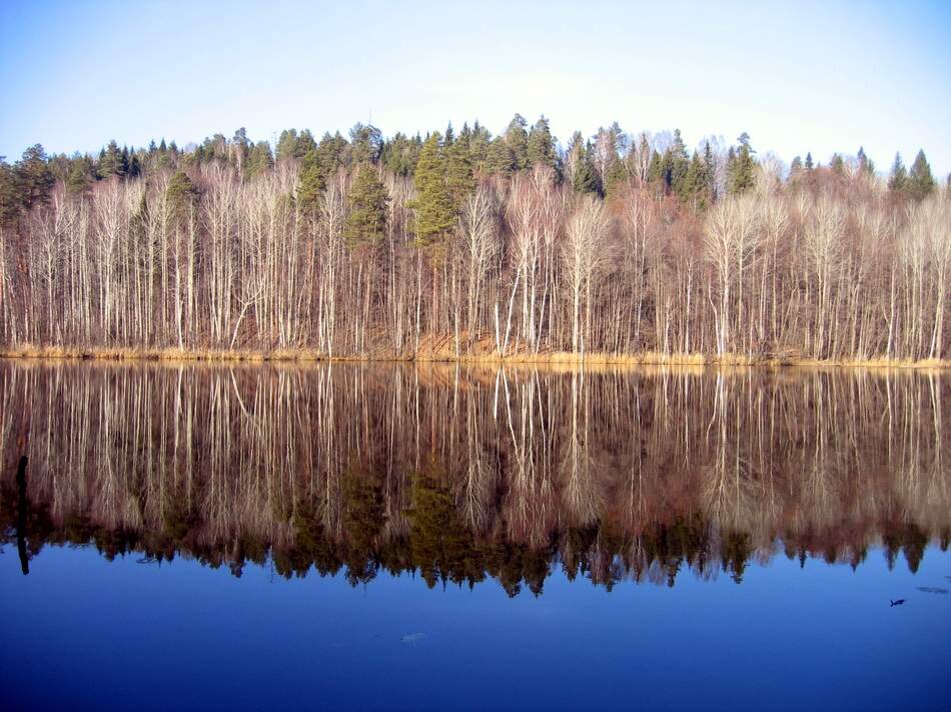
(434,537)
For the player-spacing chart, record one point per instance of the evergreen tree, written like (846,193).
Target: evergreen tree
(331,153)
(920,181)
(9,194)
(578,165)
(741,174)
(34,179)
(500,159)
(459,174)
(240,148)
(305,143)
(615,177)
(693,188)
(80,176)
(676,165)
(898,177)
(260,160)
(837,164)
(709,173)
(287,145)
(541,145)
(866,166)
(516,138)
(368,199)
(435,216)
(366,143)
(112,162)
(479,142)
(795,168)
(182,195)
(656,170)
(311,183)
(400,154)
(808,165)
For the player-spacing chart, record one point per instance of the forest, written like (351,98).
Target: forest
(461,473)
(464,245)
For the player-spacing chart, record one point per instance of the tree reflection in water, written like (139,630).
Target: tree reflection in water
(461,474)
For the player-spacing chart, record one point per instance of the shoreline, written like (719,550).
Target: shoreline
(543,359)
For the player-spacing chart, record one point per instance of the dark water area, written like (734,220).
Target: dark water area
(433,537)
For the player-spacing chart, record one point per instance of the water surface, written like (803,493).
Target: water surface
(443,537)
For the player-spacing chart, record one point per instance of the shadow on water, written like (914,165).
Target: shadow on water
(464,474)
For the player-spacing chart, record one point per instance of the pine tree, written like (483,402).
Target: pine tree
(261,159)
(676,165)
(837,164)
(500,159)
(795,168)
(331,153)
(898,177)
(541,145)
(516,138)
(400,154)
(578,166)
(305,143)
(616,176)
(80,176)
(9,194)
(479,142)
(366,143)
(459,174)
(709,173)
(809,164)
(182,195)
(866,166)
(693,188)
(34,179)
(112,162)
(435,216)
(311,183)
(287,145)
(920,181)
(368,199)
(656,171)
(741,174)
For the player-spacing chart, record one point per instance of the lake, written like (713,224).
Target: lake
(441,536)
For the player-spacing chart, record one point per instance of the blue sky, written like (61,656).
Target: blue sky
(798,76)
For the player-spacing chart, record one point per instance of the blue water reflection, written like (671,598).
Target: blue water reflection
(85,633)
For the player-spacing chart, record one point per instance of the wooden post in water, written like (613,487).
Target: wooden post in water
(23,507)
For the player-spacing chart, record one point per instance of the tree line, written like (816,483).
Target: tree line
(467,244)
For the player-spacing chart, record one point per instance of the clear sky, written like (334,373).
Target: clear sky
(798,76)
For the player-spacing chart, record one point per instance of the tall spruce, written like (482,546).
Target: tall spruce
(367,201)
(541,145)
(741,173)
(898,177)
(920,181)
(34,178)
(435,213)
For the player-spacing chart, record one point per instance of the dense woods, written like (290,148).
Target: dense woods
(467,244)
(461,473)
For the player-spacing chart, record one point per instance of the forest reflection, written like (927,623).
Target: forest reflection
(461,474)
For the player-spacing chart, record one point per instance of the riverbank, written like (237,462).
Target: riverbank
(549,358)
